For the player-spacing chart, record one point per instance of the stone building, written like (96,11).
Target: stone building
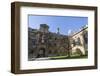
(79,42)
(43,43)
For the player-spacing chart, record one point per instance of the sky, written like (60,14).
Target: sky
(66,24)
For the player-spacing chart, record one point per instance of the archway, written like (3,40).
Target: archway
(41,53)
(79,48)
(78,52)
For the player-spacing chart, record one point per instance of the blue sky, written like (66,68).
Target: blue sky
(64,23)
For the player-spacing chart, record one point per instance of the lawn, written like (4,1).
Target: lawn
(67,57)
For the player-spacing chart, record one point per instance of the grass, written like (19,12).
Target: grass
(67,57)
(57,57)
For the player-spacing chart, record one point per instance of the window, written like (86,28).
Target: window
(73,42)
(55,38)
(78,41)
(85,36)
(34,42)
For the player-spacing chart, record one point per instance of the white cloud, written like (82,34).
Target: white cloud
(69,31)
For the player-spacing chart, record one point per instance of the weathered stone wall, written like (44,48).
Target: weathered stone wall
(78,41)
(46,44)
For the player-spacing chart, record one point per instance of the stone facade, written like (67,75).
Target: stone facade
(79,41)
(43,43)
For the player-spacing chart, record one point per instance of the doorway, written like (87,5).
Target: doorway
(41,53)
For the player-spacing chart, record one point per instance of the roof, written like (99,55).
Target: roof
(80,31)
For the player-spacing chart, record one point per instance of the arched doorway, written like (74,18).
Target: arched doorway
(78,52)
(41,53)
